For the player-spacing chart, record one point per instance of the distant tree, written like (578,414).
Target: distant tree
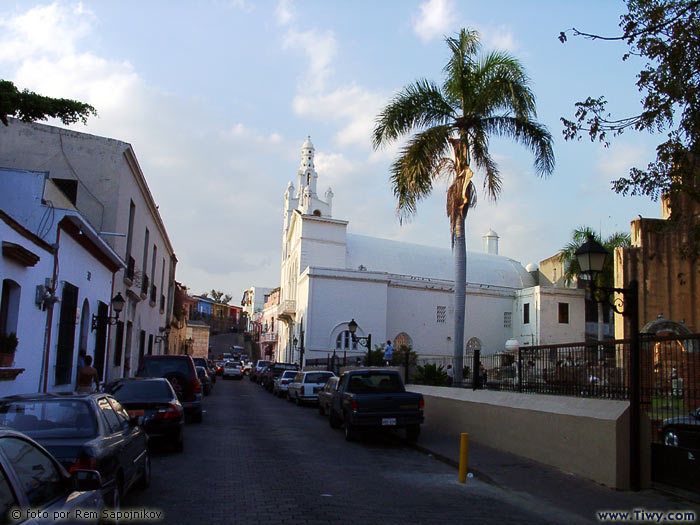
(606,278)
(29,106)
(482,96)
(218,297)
(666,34)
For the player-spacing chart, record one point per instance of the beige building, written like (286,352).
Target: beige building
(669,284)
(103,180)
(197,342)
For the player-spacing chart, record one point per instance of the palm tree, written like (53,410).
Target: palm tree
(606,278)
(480,96)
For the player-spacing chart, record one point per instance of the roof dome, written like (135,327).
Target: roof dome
(532,267)
(307,144)
(383,255)
(490,233)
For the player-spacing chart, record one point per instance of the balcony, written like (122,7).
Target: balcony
(286,309)
(129,272)
(144,286)
(268,337)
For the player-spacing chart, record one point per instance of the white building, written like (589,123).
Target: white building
(253,301)
(102,178)
(57,280)
(399,291)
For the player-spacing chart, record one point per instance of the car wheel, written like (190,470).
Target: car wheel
(289,397)
(333,420)
(671,438)
(197,417)
(180,443)
(321,410)
(412,432)
(145,480)
(350,432)
(116,499)
(297,401)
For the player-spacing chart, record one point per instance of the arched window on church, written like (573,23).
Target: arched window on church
(317,213)
(403,339)
(345,342)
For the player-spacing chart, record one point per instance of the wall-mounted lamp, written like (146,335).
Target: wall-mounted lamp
(118,303)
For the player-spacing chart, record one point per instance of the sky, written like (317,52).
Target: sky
(216,98)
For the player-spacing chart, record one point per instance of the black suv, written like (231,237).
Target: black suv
(180,371)
(273,371)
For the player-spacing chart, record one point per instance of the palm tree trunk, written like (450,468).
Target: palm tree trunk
(460,249)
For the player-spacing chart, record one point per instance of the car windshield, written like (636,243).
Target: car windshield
(231,364)
(289,374)
(128,390)
(317,377)
(200,361)
(51,418)
(375,383)
(161,367)
(201,372)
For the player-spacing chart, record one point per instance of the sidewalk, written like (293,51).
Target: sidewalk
(548,486)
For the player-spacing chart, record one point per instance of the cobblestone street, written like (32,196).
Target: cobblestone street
(260,459)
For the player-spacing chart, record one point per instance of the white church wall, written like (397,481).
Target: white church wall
(335,300)
(414,312)
(544,326)
(484,319)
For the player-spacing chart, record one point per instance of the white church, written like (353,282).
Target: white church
(402,292)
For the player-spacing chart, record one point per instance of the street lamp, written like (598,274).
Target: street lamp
(591,258)
(165,331)
(117,305)
(363,341)
(294,346)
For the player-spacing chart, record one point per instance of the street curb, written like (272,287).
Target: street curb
(449,461)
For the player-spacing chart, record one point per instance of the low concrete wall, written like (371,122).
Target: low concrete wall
(586,437)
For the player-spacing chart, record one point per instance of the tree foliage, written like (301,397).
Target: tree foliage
(29,106)
(218,297)
(666,33)
(579,236)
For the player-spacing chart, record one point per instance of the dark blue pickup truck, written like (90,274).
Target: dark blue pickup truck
(375,398)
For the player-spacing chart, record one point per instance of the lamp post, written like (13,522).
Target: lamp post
(165,331)
(117,305)
(591,258)
(294,347)
(363,341)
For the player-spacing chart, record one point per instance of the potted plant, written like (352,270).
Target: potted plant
(8,347)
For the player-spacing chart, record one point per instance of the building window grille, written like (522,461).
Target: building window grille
(441,314)
(507,319)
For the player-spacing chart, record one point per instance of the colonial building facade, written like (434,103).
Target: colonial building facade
(399,291)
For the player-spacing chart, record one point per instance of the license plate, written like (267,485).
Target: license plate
(388,421)
(135,413)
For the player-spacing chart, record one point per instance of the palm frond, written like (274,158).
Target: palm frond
(458,83)
(532,134)
(418,164)
(503,85)
(418,105)
(483,160)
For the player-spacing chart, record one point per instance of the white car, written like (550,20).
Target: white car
(305,386)
(279,387)
(233,369)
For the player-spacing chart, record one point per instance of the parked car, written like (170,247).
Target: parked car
(219,367)
(279,387)
(272,372)
(205,379)
(85,432)
(375,398)
(180,371)
(232,369)
(155,400)
(682,431)
(33,479)
(200,361)
(261,363)
(305,386)
(325,395)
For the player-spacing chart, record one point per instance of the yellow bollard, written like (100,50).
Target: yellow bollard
(463,454)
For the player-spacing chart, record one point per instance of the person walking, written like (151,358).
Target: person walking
(450,375)
(86,376)
(388,352)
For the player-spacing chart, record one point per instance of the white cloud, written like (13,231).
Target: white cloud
(284,12)
(320,48)
(51,30)
(437,18)
(500,38)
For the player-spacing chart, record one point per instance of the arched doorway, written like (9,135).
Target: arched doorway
(402,339)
